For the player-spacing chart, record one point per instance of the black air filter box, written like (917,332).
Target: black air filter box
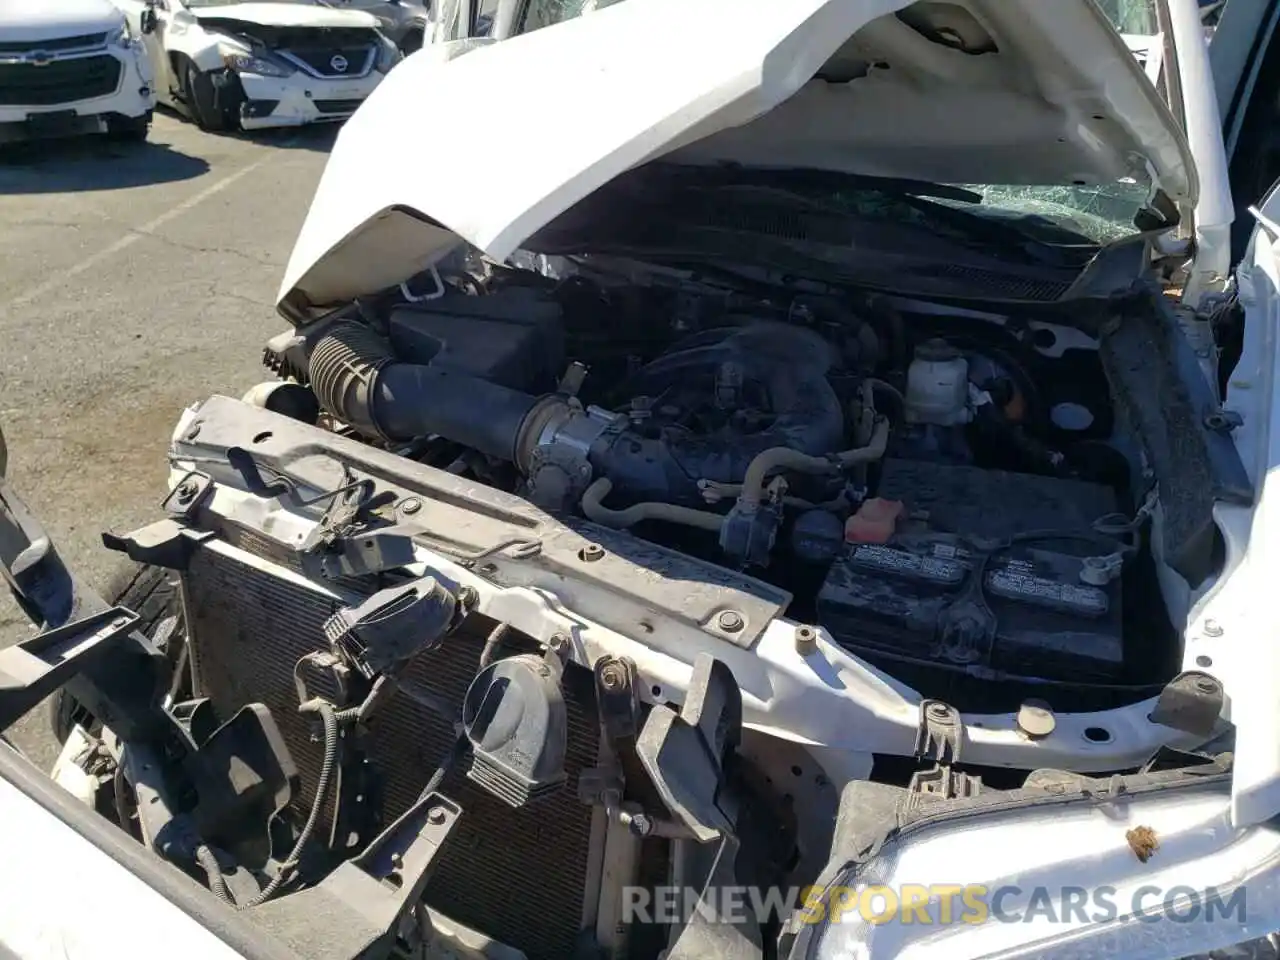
(513,337)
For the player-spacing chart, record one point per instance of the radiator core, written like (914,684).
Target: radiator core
(519,876)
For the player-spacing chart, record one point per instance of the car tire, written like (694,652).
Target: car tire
(129,129)
(197,90)
(412,41)
(150,592)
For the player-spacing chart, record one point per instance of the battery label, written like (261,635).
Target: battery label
(1019,581)
(902,563)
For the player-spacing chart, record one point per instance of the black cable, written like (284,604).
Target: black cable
(329,717)
(975,592)
(453,756)
(217,882)
(117,788)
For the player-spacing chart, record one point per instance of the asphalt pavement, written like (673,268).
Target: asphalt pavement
(134,281)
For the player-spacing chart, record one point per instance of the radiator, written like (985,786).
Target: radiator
(525,877)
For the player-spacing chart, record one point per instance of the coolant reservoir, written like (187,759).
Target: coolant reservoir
(938,386)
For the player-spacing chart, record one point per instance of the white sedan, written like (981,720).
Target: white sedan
(247,65)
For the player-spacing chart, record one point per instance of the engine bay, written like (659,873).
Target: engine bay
(604,588)
(948,490)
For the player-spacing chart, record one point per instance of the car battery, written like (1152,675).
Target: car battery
(1022,609)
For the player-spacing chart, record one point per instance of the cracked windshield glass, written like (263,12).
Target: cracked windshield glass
(1102,212)
(1099,212)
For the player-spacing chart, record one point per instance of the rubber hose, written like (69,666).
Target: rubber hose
(329,718)
(358,379)
(597,512)
(785,458)
(789,363)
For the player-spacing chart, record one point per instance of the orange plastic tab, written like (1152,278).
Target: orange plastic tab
(874,522)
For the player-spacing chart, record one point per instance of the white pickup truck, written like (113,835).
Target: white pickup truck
(69,68)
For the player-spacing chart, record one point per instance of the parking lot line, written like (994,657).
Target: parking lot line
(135,234)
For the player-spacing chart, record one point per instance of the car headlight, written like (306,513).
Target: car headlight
(388,56)
(241,62)
(1156,873)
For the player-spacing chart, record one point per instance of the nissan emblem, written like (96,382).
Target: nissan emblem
(339,63)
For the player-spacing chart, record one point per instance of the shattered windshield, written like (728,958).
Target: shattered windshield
(546,13)
(1103,213)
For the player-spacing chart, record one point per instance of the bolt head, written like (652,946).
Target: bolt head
(411,505)
(436,815)
(731,621)
(640,825)
(592,551)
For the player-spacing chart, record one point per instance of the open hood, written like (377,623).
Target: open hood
(979,91)
(287,15)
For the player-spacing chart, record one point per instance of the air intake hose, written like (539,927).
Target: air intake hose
(359,380)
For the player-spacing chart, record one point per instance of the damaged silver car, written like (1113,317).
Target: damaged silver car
(802,494)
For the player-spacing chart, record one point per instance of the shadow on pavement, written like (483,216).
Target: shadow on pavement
(319,137)
(315,136)
(92,163)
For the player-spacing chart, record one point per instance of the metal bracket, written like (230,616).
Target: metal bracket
(343,544)
(618,699)
(357,554)
(360,904)
(1223,421)
(188,496)
(32,669)
(436,293)
(165,543)
(1191,702)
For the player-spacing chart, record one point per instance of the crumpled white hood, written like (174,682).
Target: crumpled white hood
(490,146)
(287,15)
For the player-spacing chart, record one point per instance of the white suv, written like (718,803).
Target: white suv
(70,68)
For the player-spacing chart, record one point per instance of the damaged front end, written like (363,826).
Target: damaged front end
(362,755)
(425,778)
(653,553)
(262,74)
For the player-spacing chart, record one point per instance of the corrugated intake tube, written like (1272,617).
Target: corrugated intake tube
(359,380)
